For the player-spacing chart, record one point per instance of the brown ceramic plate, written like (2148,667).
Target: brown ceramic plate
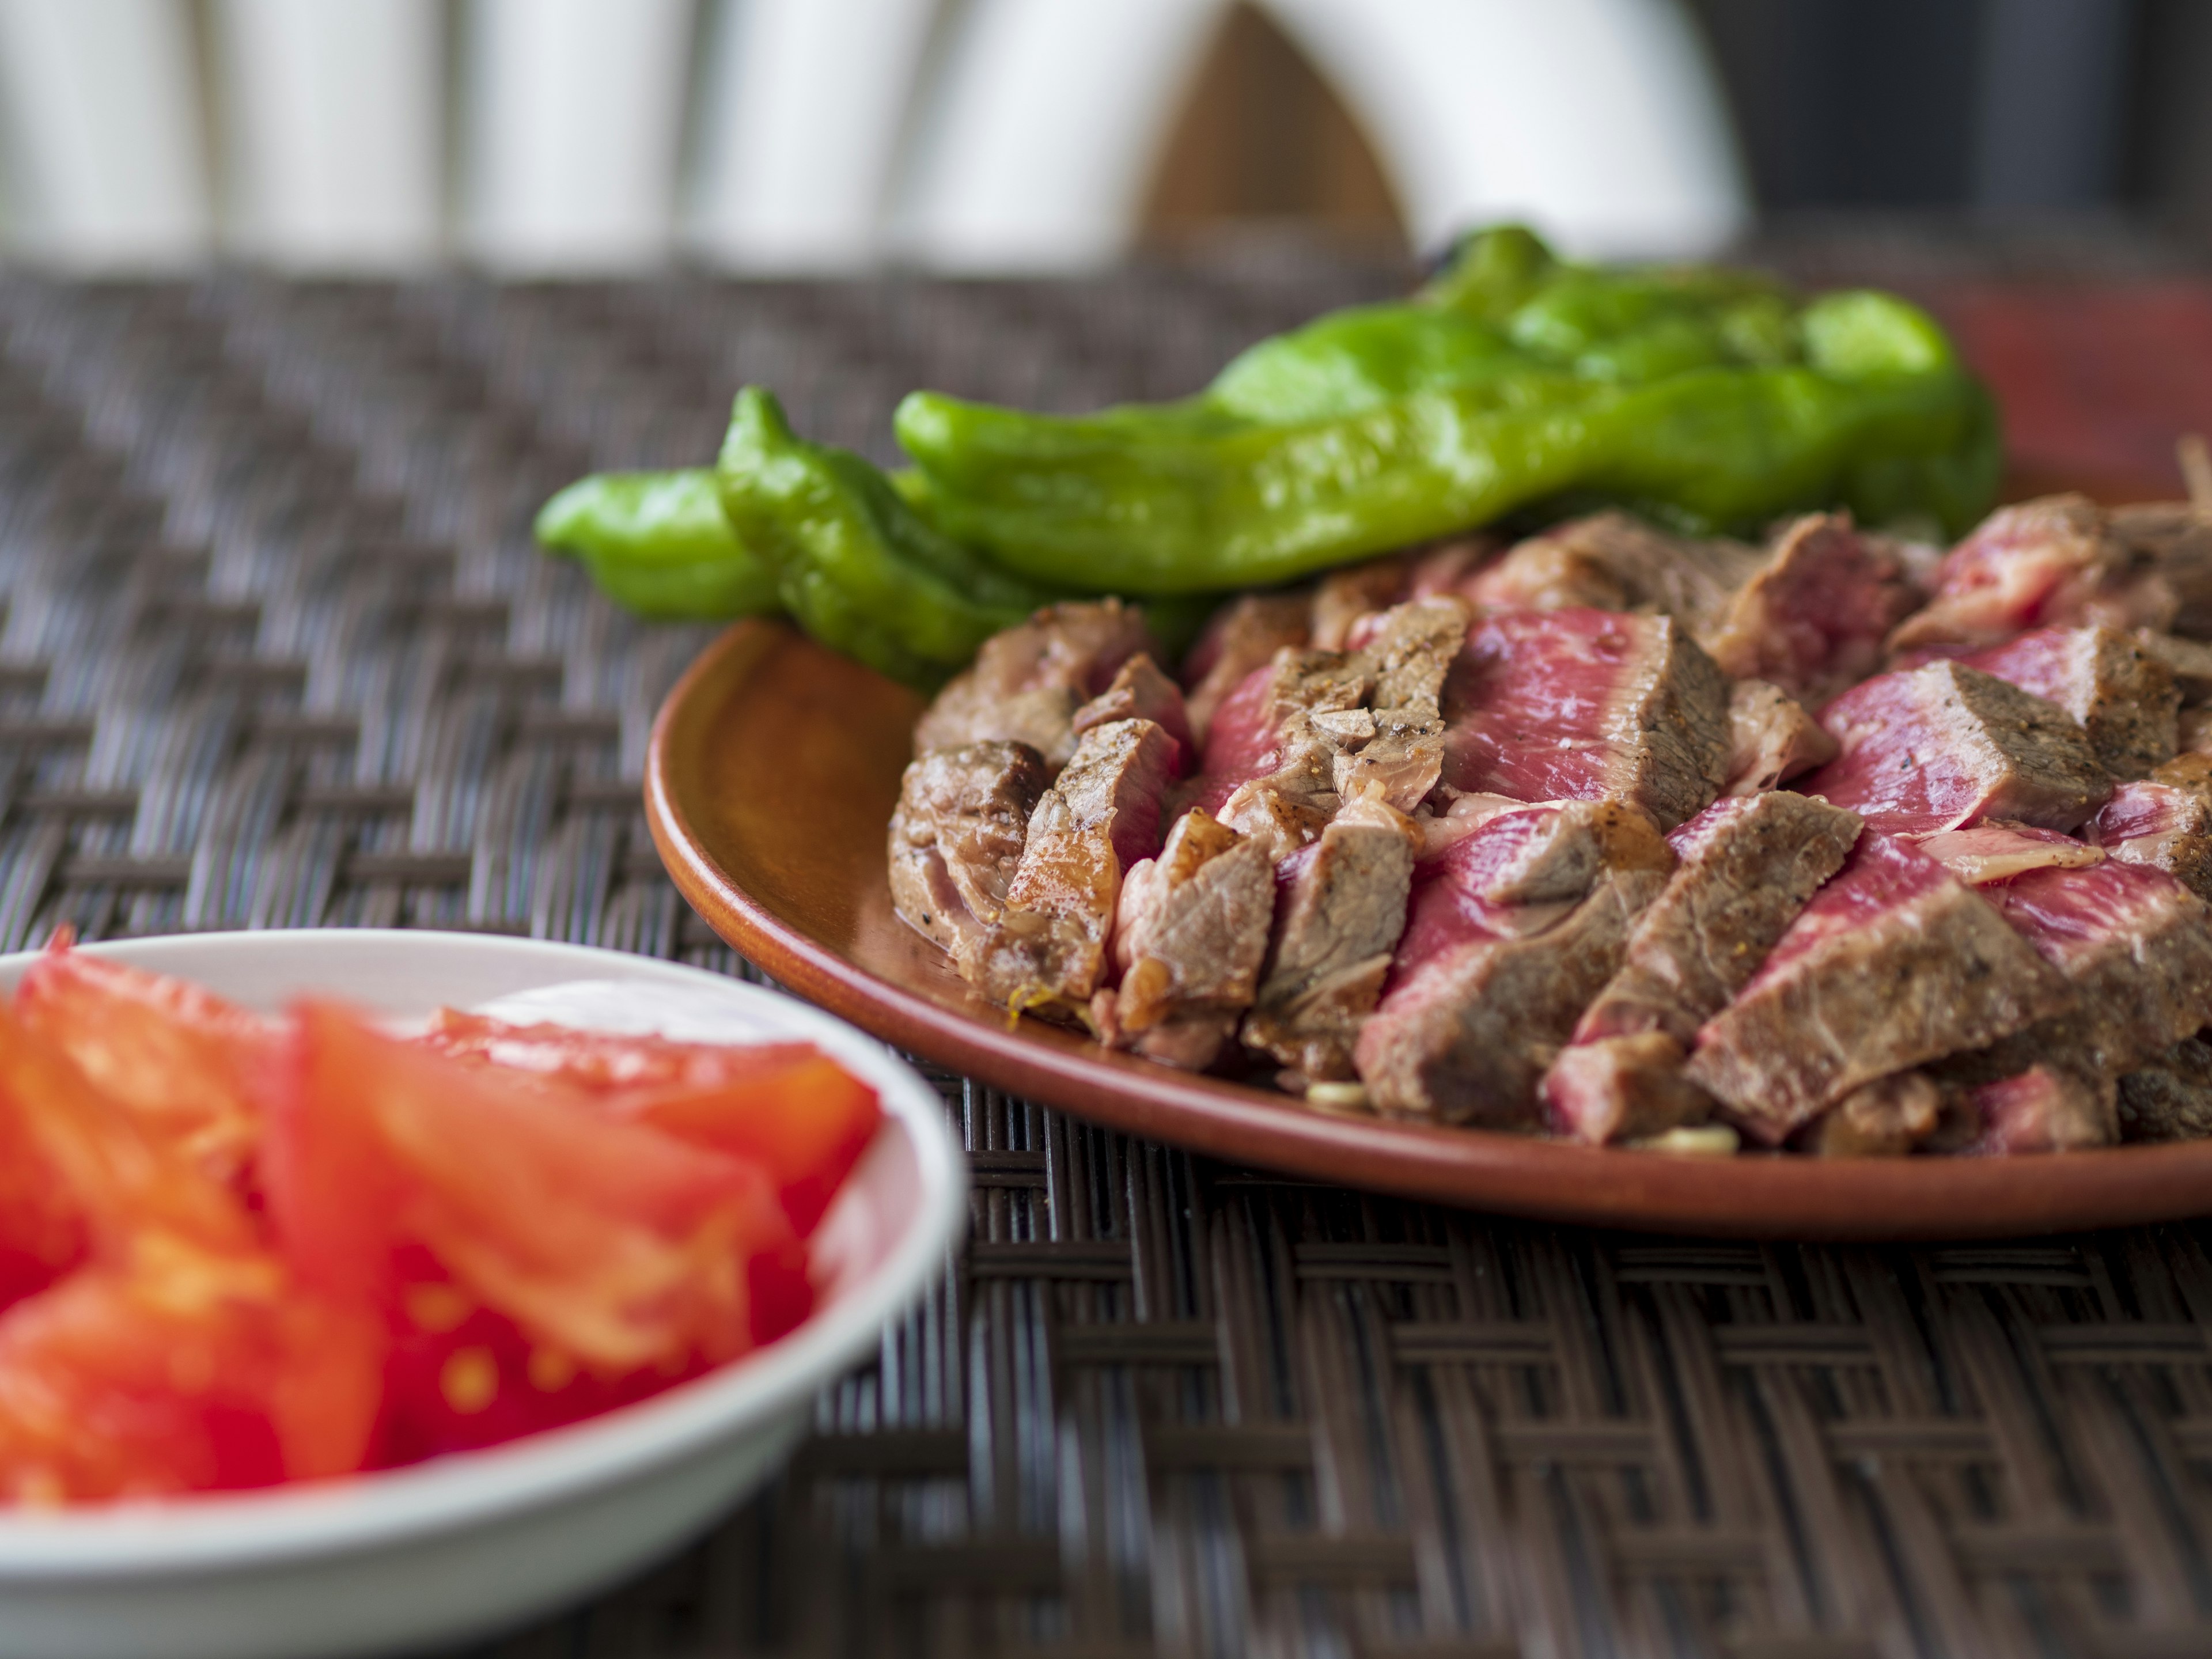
(772,771)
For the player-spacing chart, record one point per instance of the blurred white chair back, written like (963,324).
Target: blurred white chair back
(972,135)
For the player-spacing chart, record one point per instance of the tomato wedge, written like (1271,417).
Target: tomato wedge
(611,1243)
(785,1106)
(178,1354)
(186,1062)
(186,1370)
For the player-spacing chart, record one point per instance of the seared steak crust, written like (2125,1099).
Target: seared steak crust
(1047,949)
(1190,933)
(2170,1097)
(2124,696)
(958,836)
(1586,705)
(1611,561)
(1945,745)
(1409,651)
(1748,867)
(1892,965)
(1342,909)
(1027,682)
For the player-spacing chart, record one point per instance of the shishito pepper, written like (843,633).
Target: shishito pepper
(658,542)
(1710,399)
(855,565)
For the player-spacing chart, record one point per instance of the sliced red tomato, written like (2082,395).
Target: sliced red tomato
(785,1106)
(186,1062)
(609,1242)
(95,1162)
(185,1371)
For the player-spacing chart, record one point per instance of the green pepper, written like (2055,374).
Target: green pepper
(1710,399)
(855,564)
(658,544)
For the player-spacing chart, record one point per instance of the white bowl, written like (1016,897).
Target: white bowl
(464,1544)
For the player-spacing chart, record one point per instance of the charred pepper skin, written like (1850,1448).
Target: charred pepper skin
(658,544)
(856,565)
(1712,400)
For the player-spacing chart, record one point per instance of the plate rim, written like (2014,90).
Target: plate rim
(1755,1197)
(466,1491)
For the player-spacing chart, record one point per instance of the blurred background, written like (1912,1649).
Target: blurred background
(574,137)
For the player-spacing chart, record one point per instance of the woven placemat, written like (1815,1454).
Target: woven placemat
(277,652)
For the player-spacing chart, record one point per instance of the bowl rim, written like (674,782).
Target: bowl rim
(464,1490)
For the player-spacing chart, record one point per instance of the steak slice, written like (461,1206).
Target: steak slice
(1943,746)
(1340,908)
(1887,1118)
(1812,617)
(1482,993)
(957,834)
(1748,866)
(2049,562)
(2161,825)
(2135,945)
(1771,738)
(1047,951)
(1190,931)
(1271,757)
(1586,705)
(1612,562)
(1622,1088)
(2045,1109)
(1397,754)
(2189,661)
(2124,698)
(1241,637)
(1345,597)
(1990,853)
(1140,691)
(2174,538)
(2169,1097)
(1027,681)
(1893,963)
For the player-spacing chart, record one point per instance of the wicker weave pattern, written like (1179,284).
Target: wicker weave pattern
(277,653)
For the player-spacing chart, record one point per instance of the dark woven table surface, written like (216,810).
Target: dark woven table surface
(277,653)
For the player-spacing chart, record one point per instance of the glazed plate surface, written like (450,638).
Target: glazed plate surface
(773,769)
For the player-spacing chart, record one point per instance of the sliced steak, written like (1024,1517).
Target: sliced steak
(1887,1118)
(1942,746)
(2051,563)
(1612,562)
(1622,1088)
(1990,853)
(1748,866)
(2136,946)
(1586,705)
(1271,757)
(1893,963)
(1047,951)
(2045,1109)
(1396,754)
(2162,825)
(1190,933)
(1140,691)
(2124,698)
(1812,617)
(1347,597)
(2174,538)
(1341,908)
(957,834)
(2169,1097)
(1772,738)
(1241,637)
(2188,661)
(1476,1007)
(1027,681)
